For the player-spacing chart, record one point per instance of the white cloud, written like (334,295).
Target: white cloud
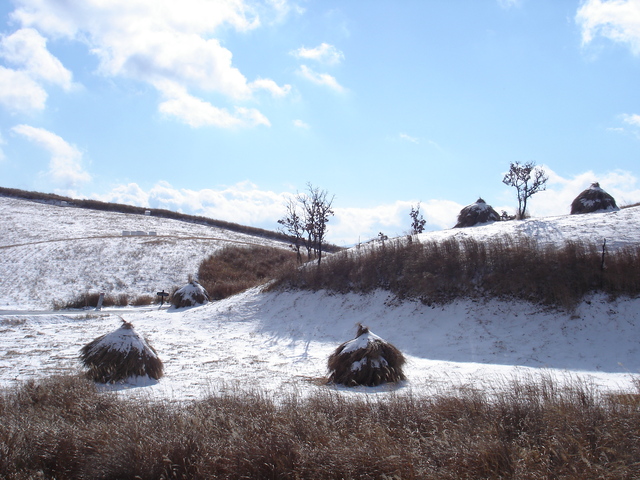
(19,92)
(617,20)
(27,49)
(159,42)
(243,203)
(195,112)
(408,138)
(270,86)
(65,166)
(300,124)
(20,88)
(323,53)
(320,78)
(632,119)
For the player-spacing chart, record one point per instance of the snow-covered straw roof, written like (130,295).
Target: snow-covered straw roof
(366,360)
(593,199)
(120,355)
(191,294)
(476,213)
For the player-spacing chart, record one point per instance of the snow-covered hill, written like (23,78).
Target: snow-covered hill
(50,252)
(280,342)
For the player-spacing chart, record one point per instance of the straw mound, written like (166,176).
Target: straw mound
(190,295)
(593,199)
(366,360)
(120,355)
(476,213)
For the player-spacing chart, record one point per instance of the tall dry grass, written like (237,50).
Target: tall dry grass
(505,267)
(62,428)
(234,269)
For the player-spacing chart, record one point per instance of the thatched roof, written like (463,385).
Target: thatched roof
(476,213)
(120,355)
(366,360)
(190,295)
(593,199)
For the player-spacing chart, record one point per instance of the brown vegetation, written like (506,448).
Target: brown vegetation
(62,428)
(233,269)
(90,299)
(505,267)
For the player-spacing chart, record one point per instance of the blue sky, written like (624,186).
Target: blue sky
(224,108)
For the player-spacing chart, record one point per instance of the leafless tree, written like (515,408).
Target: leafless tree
(528,179)
(316,206)
(417,220)
(306,221)
(293,226)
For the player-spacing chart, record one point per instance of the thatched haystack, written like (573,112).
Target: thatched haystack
(366,360)
(476,213)
(190,295)
(593,199)
(120,355)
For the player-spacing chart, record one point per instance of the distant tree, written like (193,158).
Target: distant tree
(417,220)
(528,179)
(293,226)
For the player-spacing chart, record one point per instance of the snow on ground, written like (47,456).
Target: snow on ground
(279,342)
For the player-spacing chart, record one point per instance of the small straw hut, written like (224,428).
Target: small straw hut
(190,295)
(593,199)
(366,360)
(120,355)
(476,213)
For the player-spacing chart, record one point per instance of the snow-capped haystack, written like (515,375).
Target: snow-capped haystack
(190,295)
(476,213)
(593,199)
(366,360)
(120,355)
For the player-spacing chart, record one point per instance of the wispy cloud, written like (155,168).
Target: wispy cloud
(65,166)
(321,79)
(408,138)
(617,20)
(323,53)
(159,43)
(301,124)
(506,4)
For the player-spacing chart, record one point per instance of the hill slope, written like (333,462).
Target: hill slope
(50,252)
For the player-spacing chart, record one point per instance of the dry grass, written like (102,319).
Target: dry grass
(62,428)
(439,272)
(234,269)
(88,300)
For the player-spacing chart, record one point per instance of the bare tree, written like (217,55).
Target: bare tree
(308,226)
(293,227)
(527,180)
(317,209)
(417,220)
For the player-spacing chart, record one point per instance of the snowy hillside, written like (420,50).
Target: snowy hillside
(280,342)
(52,252)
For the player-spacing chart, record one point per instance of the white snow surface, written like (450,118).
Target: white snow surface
(278,343)
(124,340)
